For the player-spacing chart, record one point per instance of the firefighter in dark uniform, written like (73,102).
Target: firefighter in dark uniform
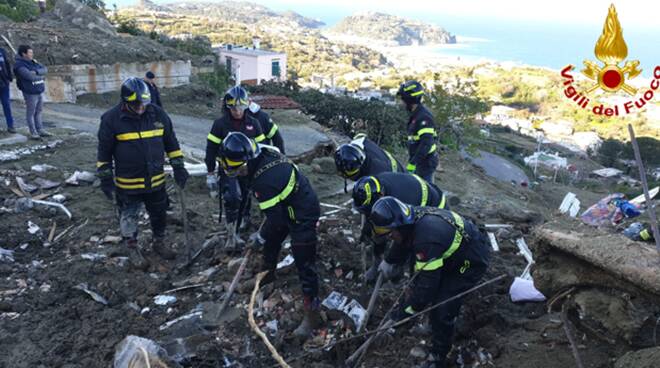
(409,189)
(451,256)
(234,119)
(134,138)
(291,207)
(362,157)
(422,148)
(270,129)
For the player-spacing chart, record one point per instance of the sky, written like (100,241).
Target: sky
(633,14)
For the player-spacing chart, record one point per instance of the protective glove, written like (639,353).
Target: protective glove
(256,241)
(411,167)
(180,175)
(389,270)
(212,184)
(108,186)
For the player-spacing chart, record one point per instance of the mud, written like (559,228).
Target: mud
(46,322)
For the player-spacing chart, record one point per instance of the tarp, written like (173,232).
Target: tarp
(604,212)
(608,172)
(541,158)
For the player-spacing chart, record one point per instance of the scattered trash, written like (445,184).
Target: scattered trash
(93,256)
(286,262)
(113,239)
(46,184)
(493,242)
(24,204)
(145,310)
(604,212)
(524,250)
(523,290)
(24,151)
(272,327)
(53,204)
(42,168)
(570,204)
(640,199)
(134,349)
(79,176)
(168,324)
(96,296)
(639,232)
(25,187)
(628,209)
(33,228)
(6,255)
(353,309)
(418,352)
(58,198)
(607,172)
(164,299)
(44,288)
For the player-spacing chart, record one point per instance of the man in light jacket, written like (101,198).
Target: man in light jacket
(30,78)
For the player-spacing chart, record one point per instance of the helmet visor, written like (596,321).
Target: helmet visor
(233,168)
(238,104)
(380,230)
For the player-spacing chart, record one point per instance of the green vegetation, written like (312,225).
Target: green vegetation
(218,80)
(19,10)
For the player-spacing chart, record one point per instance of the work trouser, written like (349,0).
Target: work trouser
(465,275)
(426,167)
(6,105)
(231,192)
(33,107)
(303,243)
(129,208)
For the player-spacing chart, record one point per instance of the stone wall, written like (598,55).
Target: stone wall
(65,82)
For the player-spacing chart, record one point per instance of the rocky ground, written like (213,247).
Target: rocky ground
(48,321)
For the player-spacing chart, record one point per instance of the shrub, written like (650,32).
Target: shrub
(19,10)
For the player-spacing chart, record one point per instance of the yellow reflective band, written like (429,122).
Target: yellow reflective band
(132,97)
(437,263)
(138,135)
(465,267)
(644,234)
(411,138)
(442,201)
(425,190)
(175,154)
(159,176)
(424,131)
(352,172)
(130,180)
(157,183)
(417,93)
(282,196)
(433,148)
(146,96)
(393,162)
(231,163)
(101,163)
(409,309)
(272,131)
(378,230)
(410,87)
(213,138)
(359,135)
(292,213)
(129,186)
(259,138)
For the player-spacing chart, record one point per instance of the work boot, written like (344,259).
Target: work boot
(11,130)
(35,137)
(44,134)
(311,320)
(135,255)
(270,276)
(158,245)
(372,273)
(233,242)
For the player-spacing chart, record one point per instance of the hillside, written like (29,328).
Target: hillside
(309,52)
(392,29)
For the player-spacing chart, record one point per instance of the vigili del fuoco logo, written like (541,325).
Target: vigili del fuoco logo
(610,77)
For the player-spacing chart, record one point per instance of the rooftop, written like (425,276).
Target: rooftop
(247,51)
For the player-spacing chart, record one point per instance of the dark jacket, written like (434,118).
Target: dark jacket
(136,147)
(6,75)
(284,193)
(155,94)
(30,76)
(421,135)
(269,128)
(410,189)
(440,251)
(377,160)
(225,125)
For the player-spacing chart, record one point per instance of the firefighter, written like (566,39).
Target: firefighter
(409,189)
(362,157)
(451,256)
(234,119)
(270,129)
(134,137)
(291,208)
(422,148)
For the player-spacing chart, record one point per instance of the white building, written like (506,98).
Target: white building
(252,65)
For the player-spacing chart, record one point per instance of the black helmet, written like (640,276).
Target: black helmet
(349,159)
(236,97)
(236,150)
(411,92)
(365,192)
(389,213)
(135,90)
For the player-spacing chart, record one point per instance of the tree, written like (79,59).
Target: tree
(19,10)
